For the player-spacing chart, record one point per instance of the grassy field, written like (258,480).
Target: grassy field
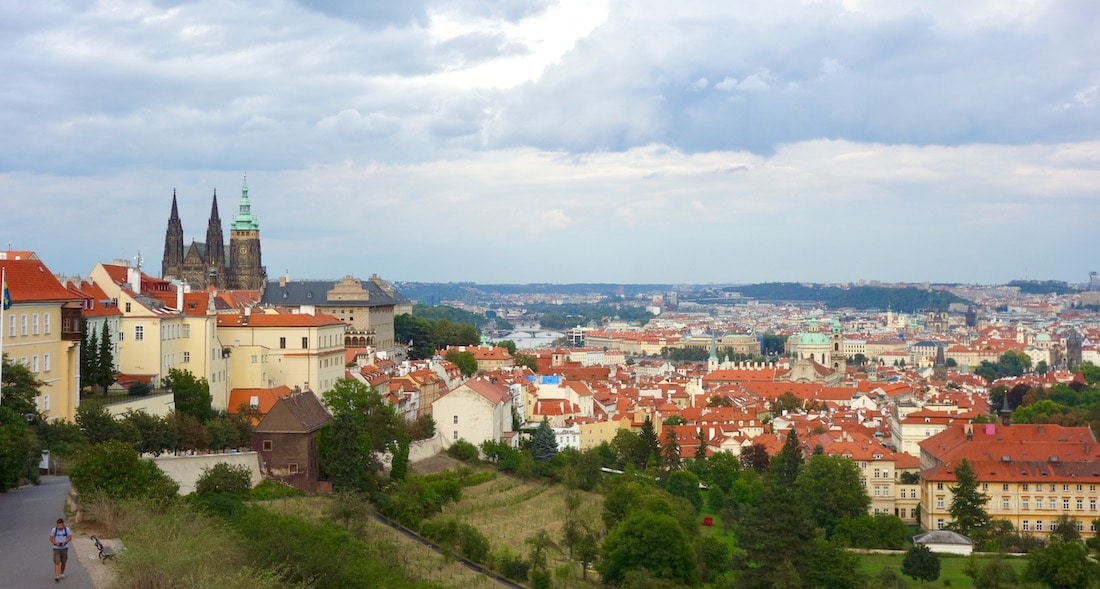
(509,511)
(420,561)
(951,567)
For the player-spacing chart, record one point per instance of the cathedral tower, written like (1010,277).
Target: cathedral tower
(215,247)
(245,268)
(171,265)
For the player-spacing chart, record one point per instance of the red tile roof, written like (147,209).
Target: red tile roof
(30,281)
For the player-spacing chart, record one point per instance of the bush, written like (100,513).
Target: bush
(115,470)
(225,479)
(456,537)
(510,565)
(273,490)
(463,450)
(139,389)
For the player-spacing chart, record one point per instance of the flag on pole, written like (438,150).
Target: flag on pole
(7,295)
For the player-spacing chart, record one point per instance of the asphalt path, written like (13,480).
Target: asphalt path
(26,516)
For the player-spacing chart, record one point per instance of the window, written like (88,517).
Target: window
(985,486)
(1025,526)
(46,368)
(282,343)
(139,333)
(877,472)
(267,445)
(1079,487)
(34,324)
(876,491)
(903,493)
(1065,504)
(305,343)
(939,502)
(1080,505)
(1052,487)
(293,468)
(902,513)
(46,330)
(456,420)
(939,524)
(186,357)
(939,486)
(45,402)
(11,326)
(1080,526)
(1092,504)
(253,357)
(1004,503)
(1004,487)
(127,307)
(1025,486)
(23,324)
(187,330)
(1092,488)
(34,363)
(1038,525)
(1053,503)
(1025,504)
(455,434)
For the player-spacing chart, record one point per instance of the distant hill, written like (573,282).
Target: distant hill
(904,299)
(1042,287)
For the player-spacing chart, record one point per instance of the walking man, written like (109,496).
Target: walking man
(60,537)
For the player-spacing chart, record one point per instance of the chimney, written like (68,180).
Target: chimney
(179,295)
(133,277)
(285,278)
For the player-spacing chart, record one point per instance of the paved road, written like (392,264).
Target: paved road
(26,516)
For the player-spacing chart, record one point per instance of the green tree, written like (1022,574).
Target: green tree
(17,446)
(399,465)
(117,471)
(105,360)
(544,444)
(1062,565)
(96,422)
(831,488)
(526,361)
(367,410)
(774,534)
(89,347)
(967,510)
(786,403)
(670,450)
(508,345)
(650,541)
(19,389)
(155,433)
(465,361)
(626,445)
(788,461)
(682,483)
(346,456)
(190,395)
(650,447)
(921,564)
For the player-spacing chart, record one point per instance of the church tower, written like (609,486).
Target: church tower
(246,272)
(215,247)
(171,265)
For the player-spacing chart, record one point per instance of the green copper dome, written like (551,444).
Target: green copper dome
(244,221)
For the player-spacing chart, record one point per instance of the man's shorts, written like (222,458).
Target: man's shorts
(61,555)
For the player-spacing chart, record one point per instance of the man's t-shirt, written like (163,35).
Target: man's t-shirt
(61,537)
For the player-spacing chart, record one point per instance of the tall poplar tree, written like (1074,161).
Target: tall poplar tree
(89,352)
(105,361)
(788,461)
(650,447)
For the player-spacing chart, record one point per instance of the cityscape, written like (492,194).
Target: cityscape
(561,294)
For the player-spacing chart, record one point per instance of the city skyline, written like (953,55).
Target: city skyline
(564,141)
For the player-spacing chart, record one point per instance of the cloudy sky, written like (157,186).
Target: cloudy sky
(563,140)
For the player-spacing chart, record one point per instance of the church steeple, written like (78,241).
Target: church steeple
(215,246)
(172,262)
(244,221)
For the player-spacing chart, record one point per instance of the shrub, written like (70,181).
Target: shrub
(456,537)
(115,470)
(510,565)
(273,490)
(139,389)
(463,450)
(224,479)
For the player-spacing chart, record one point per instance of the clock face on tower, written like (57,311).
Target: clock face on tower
(243,249)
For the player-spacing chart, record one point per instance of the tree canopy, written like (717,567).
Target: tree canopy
(967,510)
(650,541)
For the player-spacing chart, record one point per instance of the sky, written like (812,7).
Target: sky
(516,141)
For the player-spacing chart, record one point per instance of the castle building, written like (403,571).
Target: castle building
(211,263)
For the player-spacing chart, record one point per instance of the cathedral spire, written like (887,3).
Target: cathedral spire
(244,220)
(172,262)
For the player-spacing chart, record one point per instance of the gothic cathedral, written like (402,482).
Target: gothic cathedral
(202,265)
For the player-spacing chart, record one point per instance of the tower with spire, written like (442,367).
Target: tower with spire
(171,265)
(245,265)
